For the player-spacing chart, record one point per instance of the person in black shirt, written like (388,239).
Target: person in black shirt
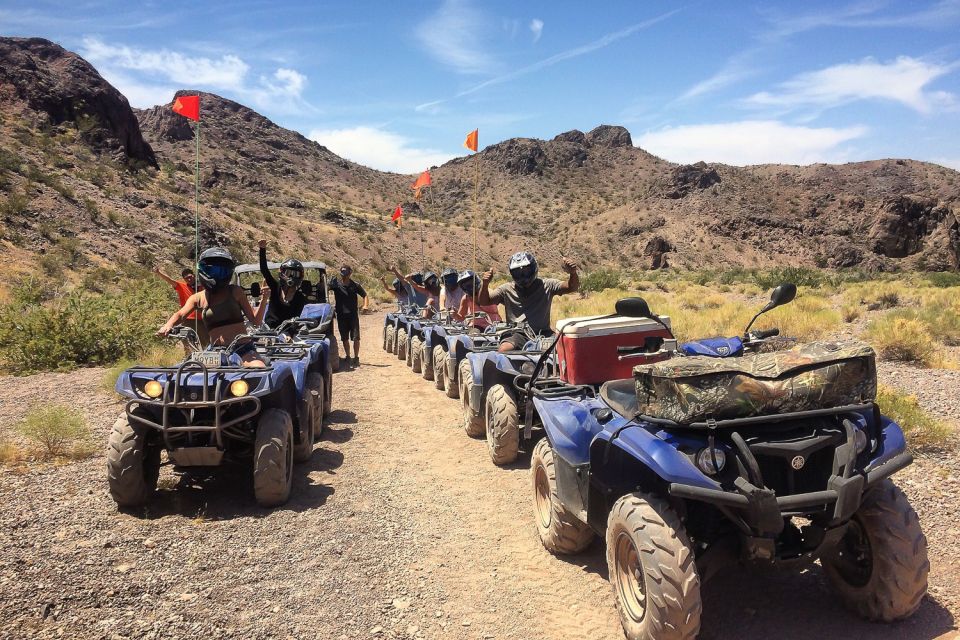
(346,291)
(288,302)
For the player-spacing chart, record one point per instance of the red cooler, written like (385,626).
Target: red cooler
(587,351)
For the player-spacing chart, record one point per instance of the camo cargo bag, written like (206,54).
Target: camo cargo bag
(815,375)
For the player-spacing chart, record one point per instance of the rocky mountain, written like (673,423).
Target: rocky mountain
(87,181)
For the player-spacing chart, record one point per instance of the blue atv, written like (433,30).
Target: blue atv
(392,324)
(210,410)
(682,482)
(432,349)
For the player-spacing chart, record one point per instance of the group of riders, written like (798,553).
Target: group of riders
(220,309)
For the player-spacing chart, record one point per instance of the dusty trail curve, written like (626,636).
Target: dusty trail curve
(398,527)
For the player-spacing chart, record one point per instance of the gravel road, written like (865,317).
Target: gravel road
(399,527)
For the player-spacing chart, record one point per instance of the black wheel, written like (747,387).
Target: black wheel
(316,384)
(384,337)
(328,400)
(879,569)
(334,352)
(502,425)
(652,570)
(273,458)
(426,364)
(391,339)
(416,354)
(474,425)
(409,353)
(560,531)
(439,367)
(133,463)
(401,344)
(451,388)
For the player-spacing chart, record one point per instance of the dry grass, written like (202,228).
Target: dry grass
(921,429)
(161,355)
(11,453)
(904,339)
(56,431)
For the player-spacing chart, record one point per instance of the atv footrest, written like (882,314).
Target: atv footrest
(196,456)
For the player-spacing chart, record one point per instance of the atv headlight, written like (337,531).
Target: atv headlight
(239,388)
(153,389)
(860,440)
(705,461)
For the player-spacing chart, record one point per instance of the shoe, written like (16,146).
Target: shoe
(356,362)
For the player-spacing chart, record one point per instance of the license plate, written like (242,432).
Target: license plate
(207,358)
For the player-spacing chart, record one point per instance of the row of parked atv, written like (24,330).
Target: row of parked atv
(688,458)
(210,411)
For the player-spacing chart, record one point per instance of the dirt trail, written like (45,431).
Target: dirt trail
(399,527)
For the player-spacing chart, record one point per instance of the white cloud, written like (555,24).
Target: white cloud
(150,77)
(750,142)
(903,80)
(454,36)
(536,28)
(379,149)
(952,163)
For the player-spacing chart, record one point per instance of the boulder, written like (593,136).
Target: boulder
(610,136)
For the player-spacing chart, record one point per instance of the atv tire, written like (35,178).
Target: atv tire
(273,458)
(328,399)
(416,354)
(425,366)
(391,339)
(334,352)
(133,463)
(560,531)
(652,570)
(452,389)
(439,367)
(384,337)
(502,425)
(879,569)
(401,344)
(474,425)
(303,443)
(317,382)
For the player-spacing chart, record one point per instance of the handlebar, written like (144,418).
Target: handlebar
(763,334)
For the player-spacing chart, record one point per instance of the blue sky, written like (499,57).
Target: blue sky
(397,85)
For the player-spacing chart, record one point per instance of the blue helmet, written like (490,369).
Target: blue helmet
(523,268)
(215,267)
(449,277)
(430,280)
(469,282)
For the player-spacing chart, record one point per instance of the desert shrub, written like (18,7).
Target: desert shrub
(903,339)
(56,430)
(943,279)
(79,329)
(600,279)
(850,312)
(921,429)
(14,204)
(800,276)
(10,452)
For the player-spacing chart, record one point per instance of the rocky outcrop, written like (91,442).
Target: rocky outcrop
(690,177)
(610,136)
(903,225)
(518,156)
(61,87)
(657,249)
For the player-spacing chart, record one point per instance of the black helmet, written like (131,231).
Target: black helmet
(215,267)
(523,268)
(397,285)
(291,273)
(417,278)
(430,280)
(469,282)
(449,277)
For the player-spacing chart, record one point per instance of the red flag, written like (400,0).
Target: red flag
(471,141)
(397,214)
(422,181)
(188,107)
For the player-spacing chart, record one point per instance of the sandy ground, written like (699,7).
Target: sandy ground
(399,527)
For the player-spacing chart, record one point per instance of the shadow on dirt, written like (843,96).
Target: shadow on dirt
(749,605)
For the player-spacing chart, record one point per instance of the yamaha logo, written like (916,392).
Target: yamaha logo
(724,351)
(798,462)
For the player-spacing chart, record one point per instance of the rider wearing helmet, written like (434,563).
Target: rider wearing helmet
(451,294)
(398,290)
(429,287)
(470,285)
(222,305)
(528,298)
(289,300)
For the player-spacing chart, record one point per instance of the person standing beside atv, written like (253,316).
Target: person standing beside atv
(470,284)
(451,294)
(222,305)
(289,301)
(346,291)
(186,287)
(528,298)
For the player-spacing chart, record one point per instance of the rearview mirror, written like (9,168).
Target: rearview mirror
(780,296)
(255,290)
(633,308)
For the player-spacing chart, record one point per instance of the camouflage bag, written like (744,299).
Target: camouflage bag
(816,375)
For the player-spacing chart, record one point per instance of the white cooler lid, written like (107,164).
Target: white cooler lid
(601,326)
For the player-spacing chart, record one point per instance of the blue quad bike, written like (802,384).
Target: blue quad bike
(455,353)
(210,410)
(493,392)
(392,324)
(446,345)
(679,502)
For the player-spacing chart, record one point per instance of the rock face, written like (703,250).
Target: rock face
(518,156)
(610,136)
(60,86)
(691,177)
(657,249)
(904,225)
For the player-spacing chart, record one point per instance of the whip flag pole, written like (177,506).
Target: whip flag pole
(422,181)
(472,143)
(189,107)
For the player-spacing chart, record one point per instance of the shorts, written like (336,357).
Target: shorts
(200,328)
(518,339)
(349,326)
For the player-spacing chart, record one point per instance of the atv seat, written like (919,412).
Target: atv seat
(621,396)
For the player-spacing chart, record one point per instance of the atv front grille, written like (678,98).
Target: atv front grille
(779,474)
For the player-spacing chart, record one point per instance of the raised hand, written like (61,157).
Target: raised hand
(569,266)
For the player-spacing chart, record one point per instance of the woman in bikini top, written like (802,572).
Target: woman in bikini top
(222,305)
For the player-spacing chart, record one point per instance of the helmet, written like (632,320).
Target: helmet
(291,273)
(523,268)
(215,267)
(449,277)
(430,280)
(396,284)
(469,282)
(417,278)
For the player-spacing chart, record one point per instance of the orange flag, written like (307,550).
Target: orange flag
(422,181)
(188,107)
(471,141)
(397,215)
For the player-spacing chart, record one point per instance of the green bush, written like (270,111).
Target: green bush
(800,276)
(943,279)
(599,280)
(56,430)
